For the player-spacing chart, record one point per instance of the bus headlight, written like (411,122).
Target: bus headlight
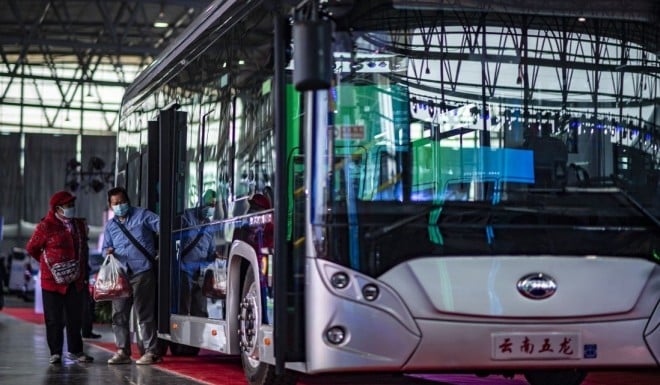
(335,335)
(370,291)
(339,280)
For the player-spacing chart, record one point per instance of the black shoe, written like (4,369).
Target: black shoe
(92,335)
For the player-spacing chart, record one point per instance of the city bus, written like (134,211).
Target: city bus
(401,188)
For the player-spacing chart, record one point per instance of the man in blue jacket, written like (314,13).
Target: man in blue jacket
(131,236)
(197,252)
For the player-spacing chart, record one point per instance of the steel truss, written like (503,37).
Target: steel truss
(64,64)
(603,72)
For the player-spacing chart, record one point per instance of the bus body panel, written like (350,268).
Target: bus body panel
(448,341)
(468,345)
(200,332)
(602,344)
(487,286)
(375,338)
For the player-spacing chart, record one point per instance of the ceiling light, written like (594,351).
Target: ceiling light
(160,21)
(582,19)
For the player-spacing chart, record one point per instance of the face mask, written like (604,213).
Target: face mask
(68,212)
(208,212)
(120,210)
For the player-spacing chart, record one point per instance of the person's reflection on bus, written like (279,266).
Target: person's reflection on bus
(550,158)
(198,251)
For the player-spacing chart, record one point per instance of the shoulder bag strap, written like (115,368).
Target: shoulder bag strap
(135,242)
(45,254)
(192,244)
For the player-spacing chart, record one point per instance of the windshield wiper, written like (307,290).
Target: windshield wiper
(400,223)
(371,235)
(639,207)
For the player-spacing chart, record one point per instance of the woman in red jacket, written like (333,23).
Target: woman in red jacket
(59,237)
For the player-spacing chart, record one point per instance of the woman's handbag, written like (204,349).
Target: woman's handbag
(64,272)
(111,281)
(215,280)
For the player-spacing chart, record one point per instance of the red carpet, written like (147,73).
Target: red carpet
(207,367)
(25,314)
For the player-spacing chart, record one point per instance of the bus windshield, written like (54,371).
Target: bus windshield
(413,166)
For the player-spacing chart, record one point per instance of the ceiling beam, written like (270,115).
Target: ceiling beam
(9,102)
(647,11)
(68,45)
(105,83)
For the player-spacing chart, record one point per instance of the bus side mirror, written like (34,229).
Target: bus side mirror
(312,55)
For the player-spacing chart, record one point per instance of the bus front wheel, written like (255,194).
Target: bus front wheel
(249,321)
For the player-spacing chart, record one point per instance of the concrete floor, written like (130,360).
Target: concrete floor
(24,359)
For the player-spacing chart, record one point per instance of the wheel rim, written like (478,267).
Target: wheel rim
(249,319)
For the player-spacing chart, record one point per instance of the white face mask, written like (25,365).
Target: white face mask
(120,210)
(68,212)
(208,212)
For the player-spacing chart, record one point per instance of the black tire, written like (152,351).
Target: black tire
(183,350)
(249,321)
(556,377)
